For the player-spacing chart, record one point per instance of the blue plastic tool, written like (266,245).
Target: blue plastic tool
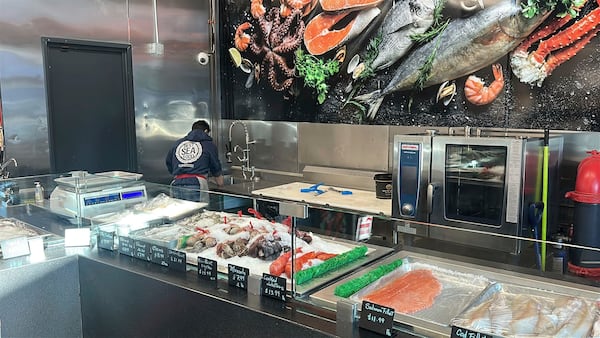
(314,188)
(343,192)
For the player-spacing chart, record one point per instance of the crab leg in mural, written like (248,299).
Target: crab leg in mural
(534,67)
(465,46)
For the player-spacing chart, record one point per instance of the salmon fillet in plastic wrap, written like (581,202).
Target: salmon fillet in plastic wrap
(412,292)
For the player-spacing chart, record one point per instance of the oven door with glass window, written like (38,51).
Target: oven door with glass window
(476,185)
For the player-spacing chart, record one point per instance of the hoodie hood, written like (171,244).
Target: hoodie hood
(197,136)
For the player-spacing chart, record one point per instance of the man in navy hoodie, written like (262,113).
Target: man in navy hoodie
(190,161)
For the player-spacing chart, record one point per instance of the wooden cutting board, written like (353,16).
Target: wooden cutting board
(360,200)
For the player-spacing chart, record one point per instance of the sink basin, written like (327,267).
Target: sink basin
(231,180)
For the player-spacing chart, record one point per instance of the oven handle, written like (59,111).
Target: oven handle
(431,189)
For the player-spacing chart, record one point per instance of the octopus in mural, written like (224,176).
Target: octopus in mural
(274,43)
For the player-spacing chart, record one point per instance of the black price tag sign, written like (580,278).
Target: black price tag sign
(238,276)
(177,260)
(377,318)
(106,240)
(159,255)
(142,250)
(207,269)
(459,332)
(273,286)
(126,246)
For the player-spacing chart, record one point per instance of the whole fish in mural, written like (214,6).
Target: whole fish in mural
(464,47)
(404,19)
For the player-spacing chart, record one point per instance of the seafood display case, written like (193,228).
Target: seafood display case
(242,237)
(432,296)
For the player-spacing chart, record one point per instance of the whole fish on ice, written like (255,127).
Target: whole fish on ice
(464,47)
(405,18)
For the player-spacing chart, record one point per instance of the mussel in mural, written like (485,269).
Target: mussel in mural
(440,58)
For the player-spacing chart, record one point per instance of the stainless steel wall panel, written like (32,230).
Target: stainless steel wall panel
(276,146)
(360,147)
(172,90)
(23,23)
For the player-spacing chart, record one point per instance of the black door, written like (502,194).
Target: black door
(89,93)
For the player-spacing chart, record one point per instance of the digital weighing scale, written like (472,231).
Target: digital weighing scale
(88,195)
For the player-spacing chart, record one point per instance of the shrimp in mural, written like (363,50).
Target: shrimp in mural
(478,93)
(242,39)
(306,6)
(257,9)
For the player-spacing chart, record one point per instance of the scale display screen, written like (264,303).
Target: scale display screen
(132,194)
(102,199)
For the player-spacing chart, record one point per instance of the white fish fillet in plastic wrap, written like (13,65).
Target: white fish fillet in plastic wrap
(522,315)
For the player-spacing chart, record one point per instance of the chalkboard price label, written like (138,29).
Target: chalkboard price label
(159,255)
(273,286)
(238,276)
(126,246)
(106,240)
(377,318)
(207,269)
(142,250)
(177,260)
(459,332)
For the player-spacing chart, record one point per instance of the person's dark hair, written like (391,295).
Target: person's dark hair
(202,125)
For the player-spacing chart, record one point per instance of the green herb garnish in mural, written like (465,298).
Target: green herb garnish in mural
(532,8)
(316,72)
(371,55)
(436,28)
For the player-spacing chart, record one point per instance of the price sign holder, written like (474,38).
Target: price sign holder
(126,246)
(459,332)
(238,276)
(177,260)
(377,318)
(77,237)
(273,287)
(141,250)
(159,255)
(106,240)
(14,247)
(207,269)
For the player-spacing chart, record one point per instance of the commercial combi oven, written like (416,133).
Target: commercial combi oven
(469,182)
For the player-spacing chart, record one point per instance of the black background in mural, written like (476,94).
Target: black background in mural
(567,99)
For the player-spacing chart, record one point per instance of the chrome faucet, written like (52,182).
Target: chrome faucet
(3,172)
(245,159)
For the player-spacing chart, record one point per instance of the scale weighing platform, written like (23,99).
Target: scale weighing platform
(88,195)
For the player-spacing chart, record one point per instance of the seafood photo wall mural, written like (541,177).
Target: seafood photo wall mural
(485,63)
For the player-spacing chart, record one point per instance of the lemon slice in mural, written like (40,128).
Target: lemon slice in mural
(236,57)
